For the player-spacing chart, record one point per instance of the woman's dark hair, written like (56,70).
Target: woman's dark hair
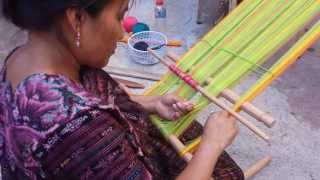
(41,14)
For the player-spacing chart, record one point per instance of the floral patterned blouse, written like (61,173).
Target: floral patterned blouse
(54,128)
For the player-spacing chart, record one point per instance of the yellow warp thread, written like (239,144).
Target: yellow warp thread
(289,58)
(191,147)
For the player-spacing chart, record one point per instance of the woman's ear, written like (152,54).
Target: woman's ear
(75,18)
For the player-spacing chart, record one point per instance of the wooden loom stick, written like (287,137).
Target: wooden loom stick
(254,169)
(188,79)
(129,84)
(172,43)
(249,108)
(246,107)
(132,73)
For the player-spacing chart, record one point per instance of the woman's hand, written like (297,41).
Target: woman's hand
(168,106)
(171,107)
(220,130)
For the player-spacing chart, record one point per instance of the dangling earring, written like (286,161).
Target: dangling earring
(78,36)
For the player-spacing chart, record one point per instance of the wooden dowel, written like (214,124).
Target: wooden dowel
(172,43)
(244,121)
(132,73)
(172,56)
(129,84)
(249,108)
(246,107)
(215,100)
(254,169)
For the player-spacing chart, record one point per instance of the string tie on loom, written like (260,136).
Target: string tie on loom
(240,58)
(185,77)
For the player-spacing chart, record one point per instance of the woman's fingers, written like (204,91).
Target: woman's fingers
(180,102)
(221,128)
(176,115)
(174,107)
(183,107)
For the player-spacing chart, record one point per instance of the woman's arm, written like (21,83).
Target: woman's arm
(220,130)
(169,107)
(203,162)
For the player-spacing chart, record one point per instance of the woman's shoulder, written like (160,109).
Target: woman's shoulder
(96,77)
(100,83)
(47,87)
(44,82)
(42,100)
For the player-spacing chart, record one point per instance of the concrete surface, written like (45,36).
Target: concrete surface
(292,100)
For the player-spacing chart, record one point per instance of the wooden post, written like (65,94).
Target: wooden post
(254,169)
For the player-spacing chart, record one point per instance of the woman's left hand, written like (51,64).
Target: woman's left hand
(171,107)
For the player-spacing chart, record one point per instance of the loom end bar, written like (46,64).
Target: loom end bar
(249,108)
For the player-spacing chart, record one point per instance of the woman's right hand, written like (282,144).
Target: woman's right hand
(220,130)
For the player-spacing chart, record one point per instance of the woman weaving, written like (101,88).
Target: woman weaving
(63,118)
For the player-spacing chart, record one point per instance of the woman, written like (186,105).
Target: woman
(64,118)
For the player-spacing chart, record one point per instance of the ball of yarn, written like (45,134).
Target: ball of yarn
(139,27)
(141,45)
(129,22)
